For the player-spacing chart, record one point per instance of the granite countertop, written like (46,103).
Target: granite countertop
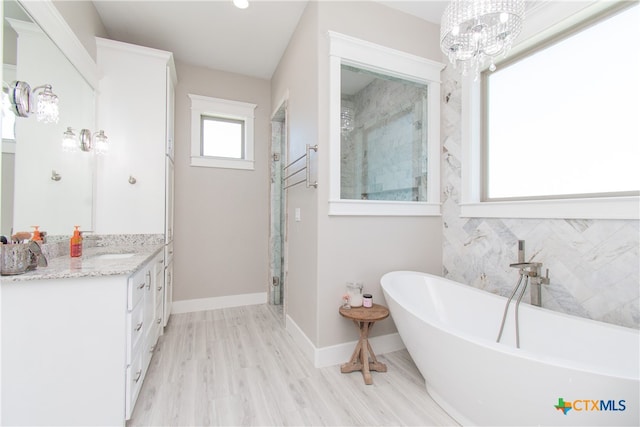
(91,264)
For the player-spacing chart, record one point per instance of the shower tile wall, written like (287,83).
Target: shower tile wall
(383,157)
(277,136)
(593,264)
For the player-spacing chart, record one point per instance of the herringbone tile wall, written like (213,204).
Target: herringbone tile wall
(593,264)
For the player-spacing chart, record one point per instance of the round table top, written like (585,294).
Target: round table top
(364,314)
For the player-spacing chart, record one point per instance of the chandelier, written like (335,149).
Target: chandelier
(476,32)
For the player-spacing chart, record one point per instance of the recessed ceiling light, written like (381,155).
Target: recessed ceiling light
(241,4)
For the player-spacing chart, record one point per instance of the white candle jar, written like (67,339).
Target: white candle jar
(354,290)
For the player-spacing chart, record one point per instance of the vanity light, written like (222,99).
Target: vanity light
(69,142)
(241,4)
(85,141)
(101,145)
(47,104)
(44,103)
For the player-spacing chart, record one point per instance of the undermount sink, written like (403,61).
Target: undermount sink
(113,256)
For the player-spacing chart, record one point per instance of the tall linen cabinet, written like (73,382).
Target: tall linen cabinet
(134,183)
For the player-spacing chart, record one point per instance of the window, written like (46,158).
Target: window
(222,137)
(383,137)
(384,111)
(558,127)
(221,133)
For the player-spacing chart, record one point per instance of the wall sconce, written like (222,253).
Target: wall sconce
(85,142)
(44,103)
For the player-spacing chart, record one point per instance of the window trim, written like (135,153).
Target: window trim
(359,53)
(224,109)
(472,204)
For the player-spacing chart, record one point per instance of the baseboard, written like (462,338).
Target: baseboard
(339,353)
(204,304)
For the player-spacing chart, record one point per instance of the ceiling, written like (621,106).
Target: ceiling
(215,34)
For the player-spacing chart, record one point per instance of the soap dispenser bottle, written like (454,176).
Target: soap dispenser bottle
(75,247)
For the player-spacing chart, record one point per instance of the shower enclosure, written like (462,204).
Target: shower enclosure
(278,206)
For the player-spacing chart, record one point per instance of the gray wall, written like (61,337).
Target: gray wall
(84,20)
(325,252)
(297,75)
(221,215)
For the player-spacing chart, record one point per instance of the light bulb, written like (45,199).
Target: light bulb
(241,4)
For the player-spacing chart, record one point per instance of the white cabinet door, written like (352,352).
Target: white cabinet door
(132,110)
(169,199)
(159,291)
(170,146)
(168,291)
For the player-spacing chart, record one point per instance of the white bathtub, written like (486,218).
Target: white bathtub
(450,331)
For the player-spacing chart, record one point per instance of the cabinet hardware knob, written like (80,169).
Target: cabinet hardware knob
(141,285)
(138,375)
(159,288)
(153,347)
(159,320)
(138,326)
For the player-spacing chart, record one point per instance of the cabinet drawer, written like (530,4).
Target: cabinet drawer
(135,330)
(134,377)
(137,283)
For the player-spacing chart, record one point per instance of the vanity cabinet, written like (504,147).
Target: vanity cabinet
(135,184)
(75,351)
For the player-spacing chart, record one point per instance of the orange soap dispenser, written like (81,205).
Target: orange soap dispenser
(75,248)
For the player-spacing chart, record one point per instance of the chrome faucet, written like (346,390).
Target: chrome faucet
(529,272)
(533,271)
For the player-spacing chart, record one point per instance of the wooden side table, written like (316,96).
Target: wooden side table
(363,358)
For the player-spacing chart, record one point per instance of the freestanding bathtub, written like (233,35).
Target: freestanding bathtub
(567,371)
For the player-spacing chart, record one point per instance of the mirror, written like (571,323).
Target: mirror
(41,184)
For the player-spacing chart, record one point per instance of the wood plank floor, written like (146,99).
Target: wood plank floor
(239,366)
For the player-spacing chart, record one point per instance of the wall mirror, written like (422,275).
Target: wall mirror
(384,113)
(41,184)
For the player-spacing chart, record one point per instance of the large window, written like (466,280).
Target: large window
(554,131)
(561,121)
(221,133)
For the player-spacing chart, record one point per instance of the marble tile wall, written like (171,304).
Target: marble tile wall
(278,135)
(593,264)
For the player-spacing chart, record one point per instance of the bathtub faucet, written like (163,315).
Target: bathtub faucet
(533,270)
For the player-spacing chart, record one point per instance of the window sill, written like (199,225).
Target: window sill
(382,208)
(210,162)
(600,208)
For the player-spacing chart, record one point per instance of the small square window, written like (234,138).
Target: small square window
(221,133)
(222,137)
